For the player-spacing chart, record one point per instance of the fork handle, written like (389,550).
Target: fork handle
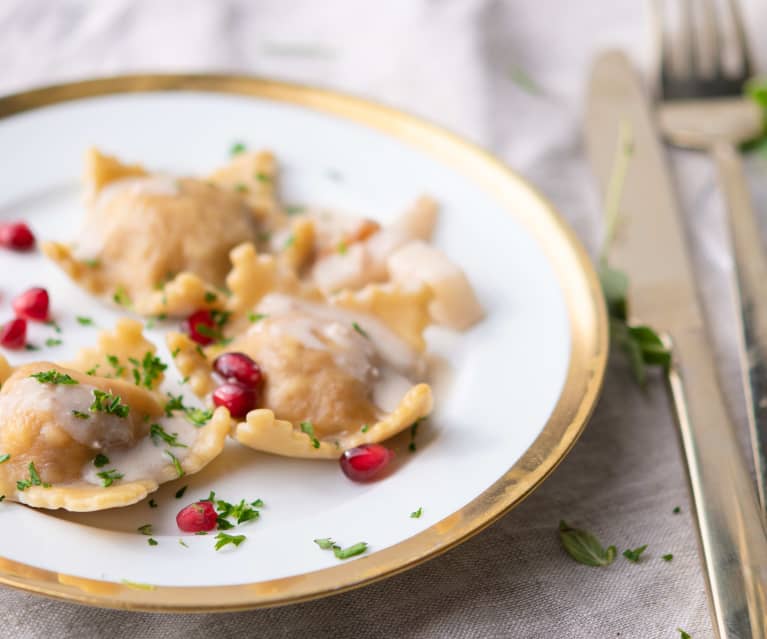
(751,290)
(730,525)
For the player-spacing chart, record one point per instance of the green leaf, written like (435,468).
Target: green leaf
(633,554)
(325,543)
(683,634)
(223,539)
(585,547)
(654,351)
(615,286)
(53,377)
(351,551)
(668,557)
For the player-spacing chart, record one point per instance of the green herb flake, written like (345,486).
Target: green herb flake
(223,539)
(158,433)
(198,416)
(676,510)
(326,543)
(34,479)
(241,188)
(108,477)
(294,209)
(114,362)
(174,403)
(289,242)
(92,263)
(4,458)
(152,503)
(31,347)
(54,377)
(175,352)
(351,551)
(92,371)
(100,460)
(151,542)
(308,428)
(146,529)
(210,297)
(585,547)
(416,514)
(360,330)
(237,148)
(255,317)
(148,370)
(683,634)
(84,321)
(342,248)
(181,542)
(176,463)
(52,341)
(263,178)
(365,428)
(78,414)
(413,432)
(120,297)
(667,557)
(180,492)
(104,402)
(633,554)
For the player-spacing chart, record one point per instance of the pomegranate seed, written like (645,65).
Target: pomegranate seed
(240,368)
(16,236)
(197,517)
(201,320)
(32,304)
(239,399)
(14,334)
(365,462)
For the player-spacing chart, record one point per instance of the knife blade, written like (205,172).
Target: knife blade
(650,246)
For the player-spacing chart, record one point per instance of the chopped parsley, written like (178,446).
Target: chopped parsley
(120,297)
(668,557)
(289,242)
(255,317)
(80,414)
(413,432)
(84,321)
(237,148)
(174,403)
(308,428)
(100,460)
(263,177)
(151,542)
(683,634)
(152,503)
(242,512)
(146,529)
(31,347)
(148,370)
(176,463)
(416,514)
(341,553)
(633,554)
(114,362)
(294,209)
(34,479)
(241,188)
(676,510)
(210,297)
(175,352)
(107,403)
(365,428)
(92,263)
(108,477)
(181,542)
(342,247)
(52,341)
(360,330)
(92,371)
(157,432)
(198,416)
(4,458)
(53,377)
(180,492)
(223,539)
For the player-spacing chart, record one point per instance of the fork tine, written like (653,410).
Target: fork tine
(709,41)
(686,57)
(741,43)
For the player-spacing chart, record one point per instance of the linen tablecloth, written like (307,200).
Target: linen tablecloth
(509,75)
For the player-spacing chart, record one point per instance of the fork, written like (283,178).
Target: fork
(700,111)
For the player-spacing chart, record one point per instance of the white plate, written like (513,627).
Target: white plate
(521,383)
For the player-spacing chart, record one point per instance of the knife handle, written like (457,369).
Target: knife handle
(751,271)
(730,525)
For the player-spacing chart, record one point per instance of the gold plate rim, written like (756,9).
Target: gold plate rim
(588,333)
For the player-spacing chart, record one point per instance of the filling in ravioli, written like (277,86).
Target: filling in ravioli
(84,443)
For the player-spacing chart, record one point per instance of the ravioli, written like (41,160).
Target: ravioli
(84,443)
(337,374)
(156,243)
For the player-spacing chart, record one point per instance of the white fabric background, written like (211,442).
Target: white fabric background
(454,62)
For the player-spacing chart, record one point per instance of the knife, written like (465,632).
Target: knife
(650,247)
